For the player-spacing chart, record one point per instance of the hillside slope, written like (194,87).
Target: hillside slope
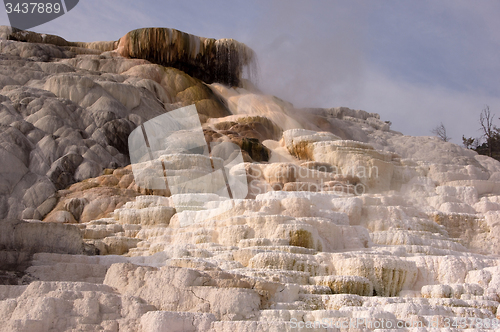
(341,219)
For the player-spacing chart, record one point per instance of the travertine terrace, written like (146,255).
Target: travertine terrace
(344,218)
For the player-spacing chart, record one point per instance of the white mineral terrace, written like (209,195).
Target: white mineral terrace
(347,222)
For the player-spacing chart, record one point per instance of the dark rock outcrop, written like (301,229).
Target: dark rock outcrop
(19,240)
(205,58)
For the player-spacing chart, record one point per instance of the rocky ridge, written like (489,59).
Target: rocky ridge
(343,219)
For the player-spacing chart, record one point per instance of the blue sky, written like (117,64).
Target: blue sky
(416,63)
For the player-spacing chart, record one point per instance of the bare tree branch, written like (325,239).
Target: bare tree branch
(487,127)
(469,142)
(440,131)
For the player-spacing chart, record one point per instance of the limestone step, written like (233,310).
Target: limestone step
(62,267)
(283,276)
(408,237)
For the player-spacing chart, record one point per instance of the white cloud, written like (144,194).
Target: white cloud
(415,109)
